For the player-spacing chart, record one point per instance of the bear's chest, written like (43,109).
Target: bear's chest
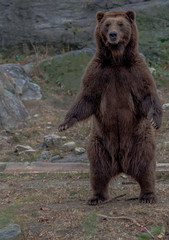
(117,105)
(118,90)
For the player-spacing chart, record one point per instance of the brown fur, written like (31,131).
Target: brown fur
(119,91)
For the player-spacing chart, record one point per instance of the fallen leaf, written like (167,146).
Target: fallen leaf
(160,236)
(17,197)
(43,220)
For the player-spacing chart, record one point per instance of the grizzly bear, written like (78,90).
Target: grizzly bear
(118,90)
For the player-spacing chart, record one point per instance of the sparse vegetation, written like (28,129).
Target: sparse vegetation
(155,232)
(90,224)
(153,37)
(65,72)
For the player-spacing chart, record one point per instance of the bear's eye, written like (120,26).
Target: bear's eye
(107,25)
(120,24)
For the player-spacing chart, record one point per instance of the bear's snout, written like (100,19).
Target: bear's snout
(113,36)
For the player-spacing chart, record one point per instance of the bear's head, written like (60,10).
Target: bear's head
(116,32)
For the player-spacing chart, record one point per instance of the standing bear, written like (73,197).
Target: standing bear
(118,90)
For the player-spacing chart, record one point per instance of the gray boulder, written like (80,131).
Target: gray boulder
(69,146)
(15,85)
(24,149)
(45,155)
(17,81)
(12,111)
(9,231)
(165,106)
(52,140)
(79,150)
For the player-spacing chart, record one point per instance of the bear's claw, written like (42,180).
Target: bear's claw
(67,124)
(154,124)
(62,127)
(148,198)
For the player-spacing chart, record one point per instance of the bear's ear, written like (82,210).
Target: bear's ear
(131,15)
(99,16)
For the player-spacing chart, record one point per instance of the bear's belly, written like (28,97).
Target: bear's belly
(116,124)
(117,112)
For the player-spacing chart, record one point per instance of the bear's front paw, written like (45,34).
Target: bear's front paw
(155,119)
(67,124)
(62,127)
(148,198)
(154,124)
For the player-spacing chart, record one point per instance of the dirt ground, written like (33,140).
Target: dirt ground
(53,206)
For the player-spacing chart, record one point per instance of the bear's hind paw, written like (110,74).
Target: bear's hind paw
(96,201)
(148,198)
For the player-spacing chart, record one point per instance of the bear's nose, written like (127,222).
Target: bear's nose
(113,35)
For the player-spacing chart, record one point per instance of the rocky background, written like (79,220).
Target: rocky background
(66,25)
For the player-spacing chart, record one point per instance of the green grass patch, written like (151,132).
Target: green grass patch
(3,175)
(65,71)
(161,74)
(155,231)
(153,34)
(7,159)
(90,224)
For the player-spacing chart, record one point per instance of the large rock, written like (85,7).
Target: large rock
(12,111)
(15,85)
(16,80)
(69,146)
(9,230)
(24,149)
(67,25)
(52,140)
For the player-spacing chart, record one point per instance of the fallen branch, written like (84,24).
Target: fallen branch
(127,218)
(132,199)
(122,195)
(110,200)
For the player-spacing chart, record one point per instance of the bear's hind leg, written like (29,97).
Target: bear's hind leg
(100,171)
(147,185)
(144,173)
(141,163)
